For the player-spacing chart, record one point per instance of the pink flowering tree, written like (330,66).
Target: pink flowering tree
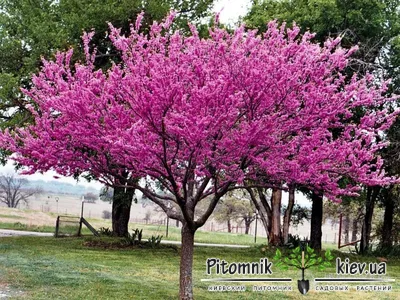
(202,117)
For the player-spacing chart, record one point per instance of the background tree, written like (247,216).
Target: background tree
(225,212)
(106,194)
(373,25)
(13,191)
(259,200)
(106,214)
(287,216)
(90,197)
(389,199)
(388,229)
(235,207)
(246,214)
(269,207)
(389,195)
(299,215)
(147,216)
(352,213)
(30,30)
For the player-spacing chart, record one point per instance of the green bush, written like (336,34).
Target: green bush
(135,238)
(105,231)
(155,241)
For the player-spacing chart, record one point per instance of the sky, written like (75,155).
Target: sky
(230,12)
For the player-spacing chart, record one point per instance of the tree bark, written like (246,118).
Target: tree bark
(288,215)
(275,237)
(354,230)
(247,229)
(229,226)
(316,221)
(247,223)
(386,239)
(264,219)
(121,210)
(346,228)
(262,214)
(372,194)
(268,209)
(186,277)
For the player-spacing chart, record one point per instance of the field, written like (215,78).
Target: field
(174,234)
(67,268)
(32,220)
(42,210)
(49,268)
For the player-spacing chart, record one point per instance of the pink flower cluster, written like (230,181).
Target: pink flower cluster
(188,111)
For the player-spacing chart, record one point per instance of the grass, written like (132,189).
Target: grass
(38,228)
(49,268)
(26,227)
(25,220)
(11,216)
(174,234)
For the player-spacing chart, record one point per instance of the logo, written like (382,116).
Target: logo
(263,273)
(303,258)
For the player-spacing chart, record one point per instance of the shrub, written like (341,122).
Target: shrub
(135,238)
(105,231)
(106,214)
(19,225)
(293,241)
(155,241)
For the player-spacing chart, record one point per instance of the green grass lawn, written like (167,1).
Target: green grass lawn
(49,268)
(10,216)
(174,234)
(26,227)
(41,228)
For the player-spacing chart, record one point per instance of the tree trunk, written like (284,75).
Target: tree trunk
(346,228)
(247,224)
(229,226)
(275,237)
(264,219)
(386,239)
(287,217)
(354,230)
(262,214)
(121,210)
(316,221)
(372,194)
(177,223)
(186,277)
(268,211)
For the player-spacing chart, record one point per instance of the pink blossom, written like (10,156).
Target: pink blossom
(220,110)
